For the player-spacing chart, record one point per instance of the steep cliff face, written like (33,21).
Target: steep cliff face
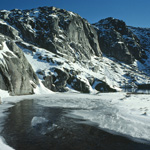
(65,52)
(118,41)
(61,32)
(57,30)
(16,74)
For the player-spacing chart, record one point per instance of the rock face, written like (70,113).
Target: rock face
(66,52)
(7,30)
(144,35)
(15,71)
(118,41)
(57,30)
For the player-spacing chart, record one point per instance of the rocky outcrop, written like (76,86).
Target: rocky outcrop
(143,35)
(8,30)
(118,41)
(16,74)
(101,86)
(61,79)
(78,84)
(68,51)
(57,30)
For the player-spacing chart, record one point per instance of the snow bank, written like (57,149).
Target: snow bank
(3,94)
(41,89)
(3,145)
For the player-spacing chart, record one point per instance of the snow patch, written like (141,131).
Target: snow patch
(3,94)
(71,13)
(53,15)
(120,42)
(3,145)
(2,22)
(41,89)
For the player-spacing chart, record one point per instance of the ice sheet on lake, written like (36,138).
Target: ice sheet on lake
(116,112)
(128,115)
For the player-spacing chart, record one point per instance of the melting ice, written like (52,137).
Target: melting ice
(42,125)
(112,112)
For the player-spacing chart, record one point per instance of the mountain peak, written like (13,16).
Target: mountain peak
(66,51)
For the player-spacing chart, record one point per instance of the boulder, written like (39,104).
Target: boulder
(101,86)
(78,84)
(60,79)
(48,83)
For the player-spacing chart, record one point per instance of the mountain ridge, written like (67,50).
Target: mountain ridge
(73,54)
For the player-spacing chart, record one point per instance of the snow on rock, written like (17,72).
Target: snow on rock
(114,73)
(16,71)
(144,39)
(5,50)
(41,89)
(66,57)
(2,22)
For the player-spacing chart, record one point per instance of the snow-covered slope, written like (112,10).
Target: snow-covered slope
(65,50)
(113,72)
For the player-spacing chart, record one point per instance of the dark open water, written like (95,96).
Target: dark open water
(68,135)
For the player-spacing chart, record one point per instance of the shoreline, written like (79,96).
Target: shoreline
(126,106)
(72,133)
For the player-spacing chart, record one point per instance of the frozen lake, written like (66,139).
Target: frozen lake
(59,123)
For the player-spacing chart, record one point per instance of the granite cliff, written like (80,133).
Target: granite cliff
(67,52)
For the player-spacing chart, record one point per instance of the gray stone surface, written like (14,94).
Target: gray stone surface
(8,30)
(69,36)
(118,41)
(15,71)
(56,30)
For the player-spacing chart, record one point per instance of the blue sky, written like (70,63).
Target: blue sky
(133,12)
